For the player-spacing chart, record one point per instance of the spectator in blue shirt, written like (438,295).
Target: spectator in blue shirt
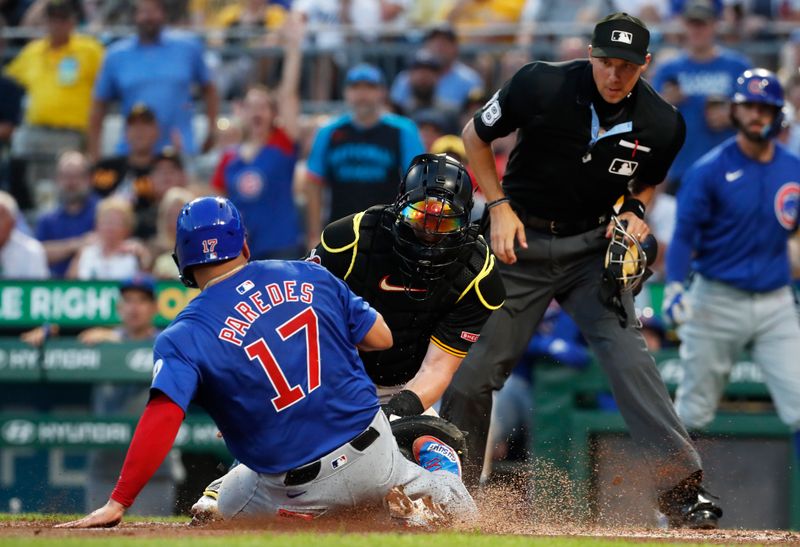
(159,68)
(361,155)
(456,80)
(70,226)
(699,81)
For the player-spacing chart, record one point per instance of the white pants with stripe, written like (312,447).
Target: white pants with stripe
(726,320)
(364,479)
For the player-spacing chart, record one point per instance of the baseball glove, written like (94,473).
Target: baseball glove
(407,430)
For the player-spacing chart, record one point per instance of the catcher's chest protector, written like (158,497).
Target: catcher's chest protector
(410,307)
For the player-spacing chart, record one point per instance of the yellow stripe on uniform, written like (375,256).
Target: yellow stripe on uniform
(488,265)
(447,349)
(353,245)
(478,287)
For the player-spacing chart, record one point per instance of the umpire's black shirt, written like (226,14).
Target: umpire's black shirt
(556,170)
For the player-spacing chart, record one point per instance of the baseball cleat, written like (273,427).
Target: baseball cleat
(421,512)
(689,505)
(205,509)
(434,455)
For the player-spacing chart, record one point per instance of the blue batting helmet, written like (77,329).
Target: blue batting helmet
(759,85)
(209,230)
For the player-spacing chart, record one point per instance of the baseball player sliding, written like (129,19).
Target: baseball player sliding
(422,264)
(737,208)
(269,350)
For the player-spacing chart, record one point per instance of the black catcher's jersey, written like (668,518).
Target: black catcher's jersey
(449,312)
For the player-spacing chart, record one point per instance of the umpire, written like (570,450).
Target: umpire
(590,131)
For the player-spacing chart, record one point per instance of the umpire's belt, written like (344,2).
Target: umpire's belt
(563,228)
(309,472)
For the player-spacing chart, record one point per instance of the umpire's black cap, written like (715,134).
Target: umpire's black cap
(621,36)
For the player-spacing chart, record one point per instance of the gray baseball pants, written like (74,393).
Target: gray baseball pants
(363,479)
(569,269)
(725,320)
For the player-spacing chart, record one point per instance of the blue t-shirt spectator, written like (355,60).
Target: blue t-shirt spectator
(363,165)
(677,7)
(160,75)
(452,90)
(61,224)
(261,188)
(698,81)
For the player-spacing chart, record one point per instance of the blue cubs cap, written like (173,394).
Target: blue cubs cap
(364,74)
(140,282)
(209,230)
(759,85)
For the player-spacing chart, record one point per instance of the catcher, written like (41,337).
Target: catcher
(425,268)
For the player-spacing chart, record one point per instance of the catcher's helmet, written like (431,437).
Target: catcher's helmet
(209,230)
(432,215)
(761,86)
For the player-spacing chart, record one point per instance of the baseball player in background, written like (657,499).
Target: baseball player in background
(737,209)
(589,130)
(424,267)
(268,349)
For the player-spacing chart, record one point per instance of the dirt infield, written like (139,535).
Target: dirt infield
(43,528)
(506,510)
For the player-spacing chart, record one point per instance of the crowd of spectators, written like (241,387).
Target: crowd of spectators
(114,114)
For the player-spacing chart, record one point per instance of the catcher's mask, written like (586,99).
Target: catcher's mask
(432,216)
(409,429)
(626,260)
(626,263)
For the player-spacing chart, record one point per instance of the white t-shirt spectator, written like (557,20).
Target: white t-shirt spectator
(23,257)
(365,16)
(93,264)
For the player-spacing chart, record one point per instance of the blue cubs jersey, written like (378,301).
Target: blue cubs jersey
(698,81)
(270,354)
(261,188)
(737,214)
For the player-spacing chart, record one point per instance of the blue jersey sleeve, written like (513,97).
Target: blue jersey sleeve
(694,205)
(174,373)
(662,76)
(44,228)
(399,92)
(359,314)
(319,150)
(410,144)
(105,87)
(200,71)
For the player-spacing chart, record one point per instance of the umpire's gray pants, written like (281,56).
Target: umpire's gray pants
(358,479)
(570,270)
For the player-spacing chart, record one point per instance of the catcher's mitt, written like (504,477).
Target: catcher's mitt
(407,430)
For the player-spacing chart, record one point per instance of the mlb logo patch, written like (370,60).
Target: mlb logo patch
(244,287)
(625,168)
(622,36)
(469,336)
(340,461)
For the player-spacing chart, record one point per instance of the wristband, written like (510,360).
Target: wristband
(497,202)
(405,403)
(633,205)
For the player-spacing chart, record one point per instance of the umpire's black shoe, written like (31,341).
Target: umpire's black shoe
(689,505)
